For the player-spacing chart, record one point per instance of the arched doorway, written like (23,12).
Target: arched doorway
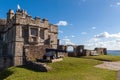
(70,49)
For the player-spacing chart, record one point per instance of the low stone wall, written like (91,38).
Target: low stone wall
(62,54)
(101,51)
(87,52)
(71,54)
(34,52)
(57,60)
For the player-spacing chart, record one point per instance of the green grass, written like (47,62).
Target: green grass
(68,69)
(104,57)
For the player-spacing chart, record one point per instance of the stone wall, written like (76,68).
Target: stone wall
(62,47)
(32,52)
(77,50)
(87,52)
(101,51)
(71,54)
(5,62)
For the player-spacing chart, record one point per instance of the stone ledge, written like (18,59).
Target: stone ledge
(57,60)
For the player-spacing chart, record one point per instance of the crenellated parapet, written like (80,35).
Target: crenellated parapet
(21,17)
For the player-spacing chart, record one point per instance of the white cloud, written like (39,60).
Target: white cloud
(93,27)
(117,40)
(93,40)
(83,33)
(72,36)
(66,41)
(102,35)
(110,45)
(107,35)
(105,39)
(62,23)
(60,31)
(66,37)
(118,3)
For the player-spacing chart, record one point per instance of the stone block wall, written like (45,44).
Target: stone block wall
(101,51)
(87,52)
(5,62)
(62,47)
(1,63)
(34,52)
(71,54)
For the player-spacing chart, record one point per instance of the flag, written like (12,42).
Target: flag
(18,6)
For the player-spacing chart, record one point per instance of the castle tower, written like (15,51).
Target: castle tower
(19,40)
(22,32)
(13,36)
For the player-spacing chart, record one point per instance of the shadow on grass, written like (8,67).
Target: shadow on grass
(35,69)
(5,73)
(98,59)
(103,60)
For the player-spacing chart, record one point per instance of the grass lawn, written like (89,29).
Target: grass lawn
(104,57)
(68,69)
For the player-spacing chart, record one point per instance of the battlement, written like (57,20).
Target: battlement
(22,17)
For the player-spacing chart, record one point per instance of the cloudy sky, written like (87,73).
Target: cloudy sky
(93,23)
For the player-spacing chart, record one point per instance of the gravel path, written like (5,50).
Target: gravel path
(112,66)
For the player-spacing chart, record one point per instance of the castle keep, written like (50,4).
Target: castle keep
(22,37)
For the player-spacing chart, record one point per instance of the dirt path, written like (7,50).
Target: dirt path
(112,66)
(118,75)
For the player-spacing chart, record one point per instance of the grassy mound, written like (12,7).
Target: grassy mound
(68,69)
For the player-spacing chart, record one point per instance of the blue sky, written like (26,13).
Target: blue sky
(93,23)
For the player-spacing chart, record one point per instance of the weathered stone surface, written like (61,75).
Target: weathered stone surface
(57,60)
(25,38)
(35,52)
(37,66)
(5,62)
(101,51)
(78,50)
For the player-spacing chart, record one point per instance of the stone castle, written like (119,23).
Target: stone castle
(22,37)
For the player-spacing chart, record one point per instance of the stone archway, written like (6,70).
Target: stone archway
(71,52)
(70,49)
(76,51)
(80,50)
